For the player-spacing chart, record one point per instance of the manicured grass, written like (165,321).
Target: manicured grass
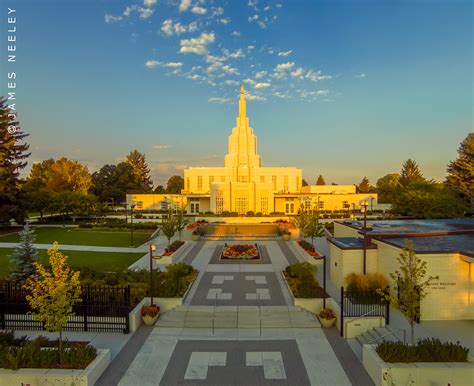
(75,236)
(97,261)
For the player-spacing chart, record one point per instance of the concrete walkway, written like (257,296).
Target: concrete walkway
(234,344)
(87,248)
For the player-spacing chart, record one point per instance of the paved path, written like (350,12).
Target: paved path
(233,339)
(87,248)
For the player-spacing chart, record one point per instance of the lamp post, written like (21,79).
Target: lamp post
(152,248)
(371,204)
(364,204)
(324,281)
(131,224)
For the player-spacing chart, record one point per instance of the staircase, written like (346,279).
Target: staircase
(238,317)
(374,336)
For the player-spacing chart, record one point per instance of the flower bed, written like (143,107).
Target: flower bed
(40,353)
(309,248)
(175,245)
(302,282)
(240,251)
(196,224)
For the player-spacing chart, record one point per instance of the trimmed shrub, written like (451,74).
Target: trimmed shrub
(426,350)
(368,282)
(302,281)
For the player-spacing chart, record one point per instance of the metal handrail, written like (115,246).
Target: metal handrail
(362,316)
(391,333)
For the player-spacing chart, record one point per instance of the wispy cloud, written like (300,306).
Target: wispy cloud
(219,100)
(317,75)
(198,10)
(170,28)
(285,53)
(155,63)
(112,19)
(184,5)
(360,76)
(197,45)
(262,85)
(236,33)
(162,146)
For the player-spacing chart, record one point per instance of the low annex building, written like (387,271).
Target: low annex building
(446,245)
(243,185)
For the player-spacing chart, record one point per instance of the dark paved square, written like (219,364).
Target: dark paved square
(235,369)
(262,249)
(238,289)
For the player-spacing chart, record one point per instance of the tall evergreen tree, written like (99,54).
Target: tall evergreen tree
(24,256)
(387,187)
(461,171)
(364,186)
(304,183)
(410,173)
(320,180)
(13,153)
(141,170)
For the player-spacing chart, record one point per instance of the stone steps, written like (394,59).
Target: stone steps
(238,317)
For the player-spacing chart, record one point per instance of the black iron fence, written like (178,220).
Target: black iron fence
(364,303)
(103,308)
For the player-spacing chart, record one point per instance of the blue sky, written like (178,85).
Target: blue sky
(339,88)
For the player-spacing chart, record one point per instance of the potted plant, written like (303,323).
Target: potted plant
(196,236)
(327,317)
(286,235)
(150,314)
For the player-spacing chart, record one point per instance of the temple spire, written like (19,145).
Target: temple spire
(242,103)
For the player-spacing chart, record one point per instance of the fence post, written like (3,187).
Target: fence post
(127,310)
(387,311)
(342,312)
(85,300)
(3,304)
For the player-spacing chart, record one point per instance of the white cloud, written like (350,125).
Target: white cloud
(230,82)
(128,10)
(197,45)
(297,73)
(281,95)
(162,146)
(260,74)
(149,3)
(262,25)
(143,13)
(230,70)
(236,33)
(224,21)
(322,93)
(360,76)
(219,100)
(173,64)
(267,8)
(250,47)
(252,97)
(184,5)
(198,10)
(278,5)
(317,75)
(253,4)
(236,54)
(249,81)
(284,66)
(253,18)
(262,85)
(152,63)
(285,53)
(170,28)
(112,18)
(217,11)
(194,76)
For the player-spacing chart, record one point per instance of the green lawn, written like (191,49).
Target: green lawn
(76,236)
(97,261)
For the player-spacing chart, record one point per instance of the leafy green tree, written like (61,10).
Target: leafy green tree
(174,185)
(461,171)
(160,189)
(387,187)
(25,255)
(309,225)
(13,155)
(180,222)
(413,285)
(364,186)
(40,201)
(428,200)
(168,226)
(39,175)
(410,173)
(320,180)
(53,293)
(140,170)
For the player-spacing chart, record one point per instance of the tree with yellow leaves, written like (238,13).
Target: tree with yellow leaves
(53,293)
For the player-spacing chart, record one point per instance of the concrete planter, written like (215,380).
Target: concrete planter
(306,256)
(149,320)
(416,373)
(328,323)
(58,377)
(176,256)
(313,305)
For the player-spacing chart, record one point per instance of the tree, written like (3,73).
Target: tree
(59,176)
(428,200)
(160,189)
(13,153)
(24,257)
(174,185)
(388,187)
(309,224)
(180,222)
(410,173)
(320,180)
(364,186)
(461,171)
(412,285)
(40,201)
(53,293)
(140,170)
(168,226)
(304,183)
